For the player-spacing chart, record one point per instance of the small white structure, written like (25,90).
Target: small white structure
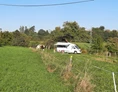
(67,47)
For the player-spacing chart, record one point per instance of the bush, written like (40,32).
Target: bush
(84,51)
(33,43)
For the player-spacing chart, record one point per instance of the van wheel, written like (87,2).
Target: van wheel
(75,52)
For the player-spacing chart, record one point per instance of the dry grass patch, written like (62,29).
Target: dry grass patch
(103,59)
(51,68)
(84,84)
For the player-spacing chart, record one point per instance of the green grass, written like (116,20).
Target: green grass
(83,45)
(22,70)
(102,77)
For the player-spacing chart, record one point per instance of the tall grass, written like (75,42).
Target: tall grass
(101,77)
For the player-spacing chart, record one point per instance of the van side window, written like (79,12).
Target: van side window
(61,46)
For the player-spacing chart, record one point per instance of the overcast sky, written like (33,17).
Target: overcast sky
(88,14)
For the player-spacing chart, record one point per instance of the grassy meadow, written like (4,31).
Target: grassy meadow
(96,68)
(22,70)
(28,70)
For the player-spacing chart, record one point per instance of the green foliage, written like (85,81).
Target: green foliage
(70,32)
(82,36)
(57,35)
(97,44)
(33,43)
(97,32)
(30,31)
(70,29)
(107,35)
(20,39)
(6,38)
(112,45)
(49,44)
(1,39)
(85,46)
(42,33)
(22,29)
(114,33)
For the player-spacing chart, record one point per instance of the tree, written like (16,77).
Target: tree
(70,29)
(1,39)
(57,35)
(102,28)
(30,31)
(97,44)
(22,29)
(97,32)
(82,35)
(107,34)
(42,33)
(114,33)
(20,39)
(26,32)
(112,45)
(6,38)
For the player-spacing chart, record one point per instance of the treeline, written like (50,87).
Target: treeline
(100,38)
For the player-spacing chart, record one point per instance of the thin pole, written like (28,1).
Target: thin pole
(114,82)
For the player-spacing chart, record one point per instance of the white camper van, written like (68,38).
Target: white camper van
(67,47)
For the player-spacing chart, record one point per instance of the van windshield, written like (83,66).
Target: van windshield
(76,46)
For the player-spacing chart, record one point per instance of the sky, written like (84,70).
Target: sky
(88,14)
